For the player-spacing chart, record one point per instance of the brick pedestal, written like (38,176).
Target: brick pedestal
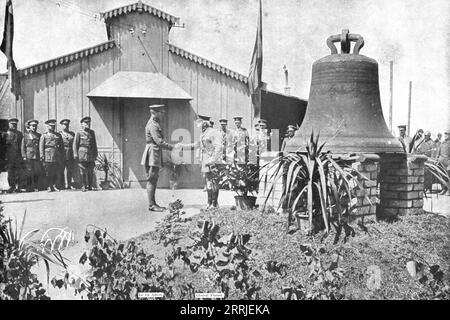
(401,185)
(368,166)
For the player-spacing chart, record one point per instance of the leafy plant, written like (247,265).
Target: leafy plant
(437,170)
(111,169)
(318,185)
(241,178)
(19,255)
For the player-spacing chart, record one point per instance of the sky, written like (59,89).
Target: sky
(415,34)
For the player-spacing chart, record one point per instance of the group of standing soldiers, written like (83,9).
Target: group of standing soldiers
(422,143)
(57,153)
(216,147)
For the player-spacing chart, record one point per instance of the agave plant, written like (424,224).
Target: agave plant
(19,255)
(437,170)
(111,169)
(316,184)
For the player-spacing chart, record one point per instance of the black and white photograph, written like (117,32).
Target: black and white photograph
(229,152)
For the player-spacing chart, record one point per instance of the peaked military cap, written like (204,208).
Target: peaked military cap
(223,121)
(262,121)
(156,106)
(291,127)
(237,118)
(31,122)
(85,119)
(51,122)
(403,126)
(204,118)
(64,121)
(13,120)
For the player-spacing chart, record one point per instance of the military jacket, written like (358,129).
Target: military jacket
(68,138)
(241,140)
(226,140)
(426,147)
(210,148)
(443,154)
(152,155)
(13,140)
(85,146)
(30,146)
(50,147)
(283,145)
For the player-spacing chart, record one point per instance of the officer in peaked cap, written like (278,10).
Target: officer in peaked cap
(12,139)
(67,161)
(290,132)
(405,140)
(241,139)
(210,154)
(30,154)
(50,150)
(85,153)
(152,155)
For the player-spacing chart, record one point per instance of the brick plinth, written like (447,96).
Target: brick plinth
(367,197)
(401,185)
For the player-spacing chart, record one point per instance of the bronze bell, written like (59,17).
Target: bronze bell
(344,103)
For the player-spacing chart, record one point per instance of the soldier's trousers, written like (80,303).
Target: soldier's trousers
(67,173)
(212,188)
(152,181)
(13,169)
(51,173)
(86,173)
(33,169)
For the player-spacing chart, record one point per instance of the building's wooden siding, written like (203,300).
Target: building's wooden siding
(214,94)
(141,52)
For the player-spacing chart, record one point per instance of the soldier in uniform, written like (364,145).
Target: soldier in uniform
(85,153)
(426,147)
(211,152)
(30,154)
(50,149)
(405,140)
(226,141)
(290,132)
(13,157)
(67,162)
(152,156)
(241,140)
(443,156)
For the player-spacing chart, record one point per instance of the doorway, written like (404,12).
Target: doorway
(135,115)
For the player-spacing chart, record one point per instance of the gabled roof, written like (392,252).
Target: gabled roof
(207,63)
(139,7)
(67,58)
(135,84)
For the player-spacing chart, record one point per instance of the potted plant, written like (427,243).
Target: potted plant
(243,180)
(319,187)
(112,173)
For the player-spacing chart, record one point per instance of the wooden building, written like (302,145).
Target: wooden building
(113,82)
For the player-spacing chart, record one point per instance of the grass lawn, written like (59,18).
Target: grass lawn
(363,262)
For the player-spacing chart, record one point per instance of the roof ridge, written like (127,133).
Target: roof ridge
(67,57)
(207,63)
(140,7)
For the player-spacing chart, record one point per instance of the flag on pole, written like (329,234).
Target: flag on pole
(254,78)
(7,47)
